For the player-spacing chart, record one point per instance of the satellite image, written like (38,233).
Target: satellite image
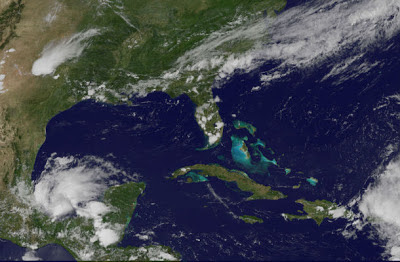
(199,130)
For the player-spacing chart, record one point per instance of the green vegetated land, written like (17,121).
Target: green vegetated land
(243,182)
(138,49)
(79,235)
(9,19)
(251,219)
(317,210)
(240,125)
(168,46)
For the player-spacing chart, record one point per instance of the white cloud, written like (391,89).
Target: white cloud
(310,33)
(30,256)
(70,186)
(108,236)
(52,15)
(337,212)
(61,190)
(233,63)
(303,36)
(56,53)
(1,82)
(380,203)
(337,33)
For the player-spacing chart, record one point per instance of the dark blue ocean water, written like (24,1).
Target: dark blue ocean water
(315,128)
(159,135)
(309,135)
(10,251)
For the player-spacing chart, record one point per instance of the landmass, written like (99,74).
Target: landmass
(241,124)
(55,54)
(251,219)
(10,17)
(319,210)
(87,237)
(243,182)
(296,186)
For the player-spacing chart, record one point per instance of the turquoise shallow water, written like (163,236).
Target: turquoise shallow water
(312,181)
(196,178)
(241,155)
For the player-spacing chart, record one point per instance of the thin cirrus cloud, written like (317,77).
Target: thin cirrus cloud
(302,37)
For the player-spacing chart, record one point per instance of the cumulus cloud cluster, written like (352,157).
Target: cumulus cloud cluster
(381,203)
(56,53)
(30,255)
(69,187)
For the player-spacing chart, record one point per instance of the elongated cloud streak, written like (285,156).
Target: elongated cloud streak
(337,33)
(54,54)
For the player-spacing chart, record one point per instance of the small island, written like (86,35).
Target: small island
(240,124)
(251,219)
(242,180)
(296,186)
